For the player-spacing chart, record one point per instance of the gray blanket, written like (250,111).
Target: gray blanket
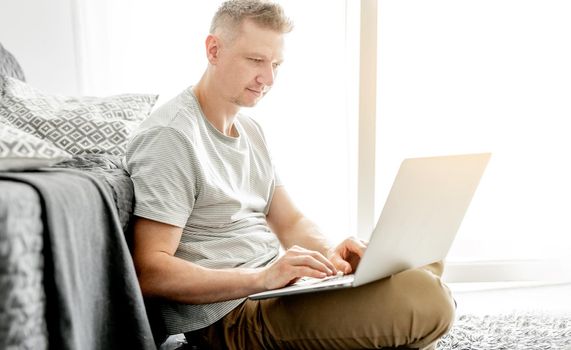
(93,298)
(109,170)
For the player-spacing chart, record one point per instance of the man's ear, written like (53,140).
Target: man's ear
(212,48)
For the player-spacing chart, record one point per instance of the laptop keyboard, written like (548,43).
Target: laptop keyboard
(307,281)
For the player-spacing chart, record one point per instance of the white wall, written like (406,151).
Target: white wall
(40,34)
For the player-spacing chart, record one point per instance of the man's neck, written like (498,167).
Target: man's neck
(219,112)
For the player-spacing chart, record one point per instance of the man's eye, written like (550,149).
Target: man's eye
(276,65)
(256,60)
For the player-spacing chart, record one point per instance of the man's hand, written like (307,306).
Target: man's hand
(297,262)
(348,254)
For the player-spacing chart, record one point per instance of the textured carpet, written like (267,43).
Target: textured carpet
(518,331)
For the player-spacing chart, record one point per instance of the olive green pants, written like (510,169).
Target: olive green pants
(412,309)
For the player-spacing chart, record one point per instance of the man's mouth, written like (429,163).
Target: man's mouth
(256,92)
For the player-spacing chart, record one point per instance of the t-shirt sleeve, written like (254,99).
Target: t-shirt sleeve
(277,179)
(161,163)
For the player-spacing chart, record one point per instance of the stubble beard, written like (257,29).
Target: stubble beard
(241,101)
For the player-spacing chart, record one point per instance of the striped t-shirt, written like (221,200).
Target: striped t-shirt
(218,188)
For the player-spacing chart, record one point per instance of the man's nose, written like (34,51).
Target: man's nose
(267,75)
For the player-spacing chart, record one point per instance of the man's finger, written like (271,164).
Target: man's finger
(299,251)
(356,246)
(325,261)
(310,262)
(341,264)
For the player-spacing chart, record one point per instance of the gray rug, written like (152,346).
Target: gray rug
(529,331)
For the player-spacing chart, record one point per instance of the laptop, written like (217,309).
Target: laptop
(417,226)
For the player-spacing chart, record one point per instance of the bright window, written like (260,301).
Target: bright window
(487,75)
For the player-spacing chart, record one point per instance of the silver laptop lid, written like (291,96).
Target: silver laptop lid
(422,214)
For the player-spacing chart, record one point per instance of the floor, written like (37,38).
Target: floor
(498,297)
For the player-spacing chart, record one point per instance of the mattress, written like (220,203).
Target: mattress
(22,298)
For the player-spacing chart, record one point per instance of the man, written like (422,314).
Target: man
(211,214)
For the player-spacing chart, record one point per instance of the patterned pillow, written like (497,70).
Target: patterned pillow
(74,124)
(9,65)
(20,151)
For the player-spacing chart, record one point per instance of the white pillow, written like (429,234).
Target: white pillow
(76,125)
(22,151)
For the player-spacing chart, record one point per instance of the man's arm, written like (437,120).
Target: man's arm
(161,274)
(294,229)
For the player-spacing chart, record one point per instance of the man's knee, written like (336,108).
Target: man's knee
(426,304)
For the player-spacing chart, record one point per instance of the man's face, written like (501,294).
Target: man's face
(247,66)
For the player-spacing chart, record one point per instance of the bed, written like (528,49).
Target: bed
(67,280)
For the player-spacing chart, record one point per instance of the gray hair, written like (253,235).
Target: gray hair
(266,14)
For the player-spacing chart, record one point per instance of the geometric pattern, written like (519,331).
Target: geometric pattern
(19,150)
(78,125)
